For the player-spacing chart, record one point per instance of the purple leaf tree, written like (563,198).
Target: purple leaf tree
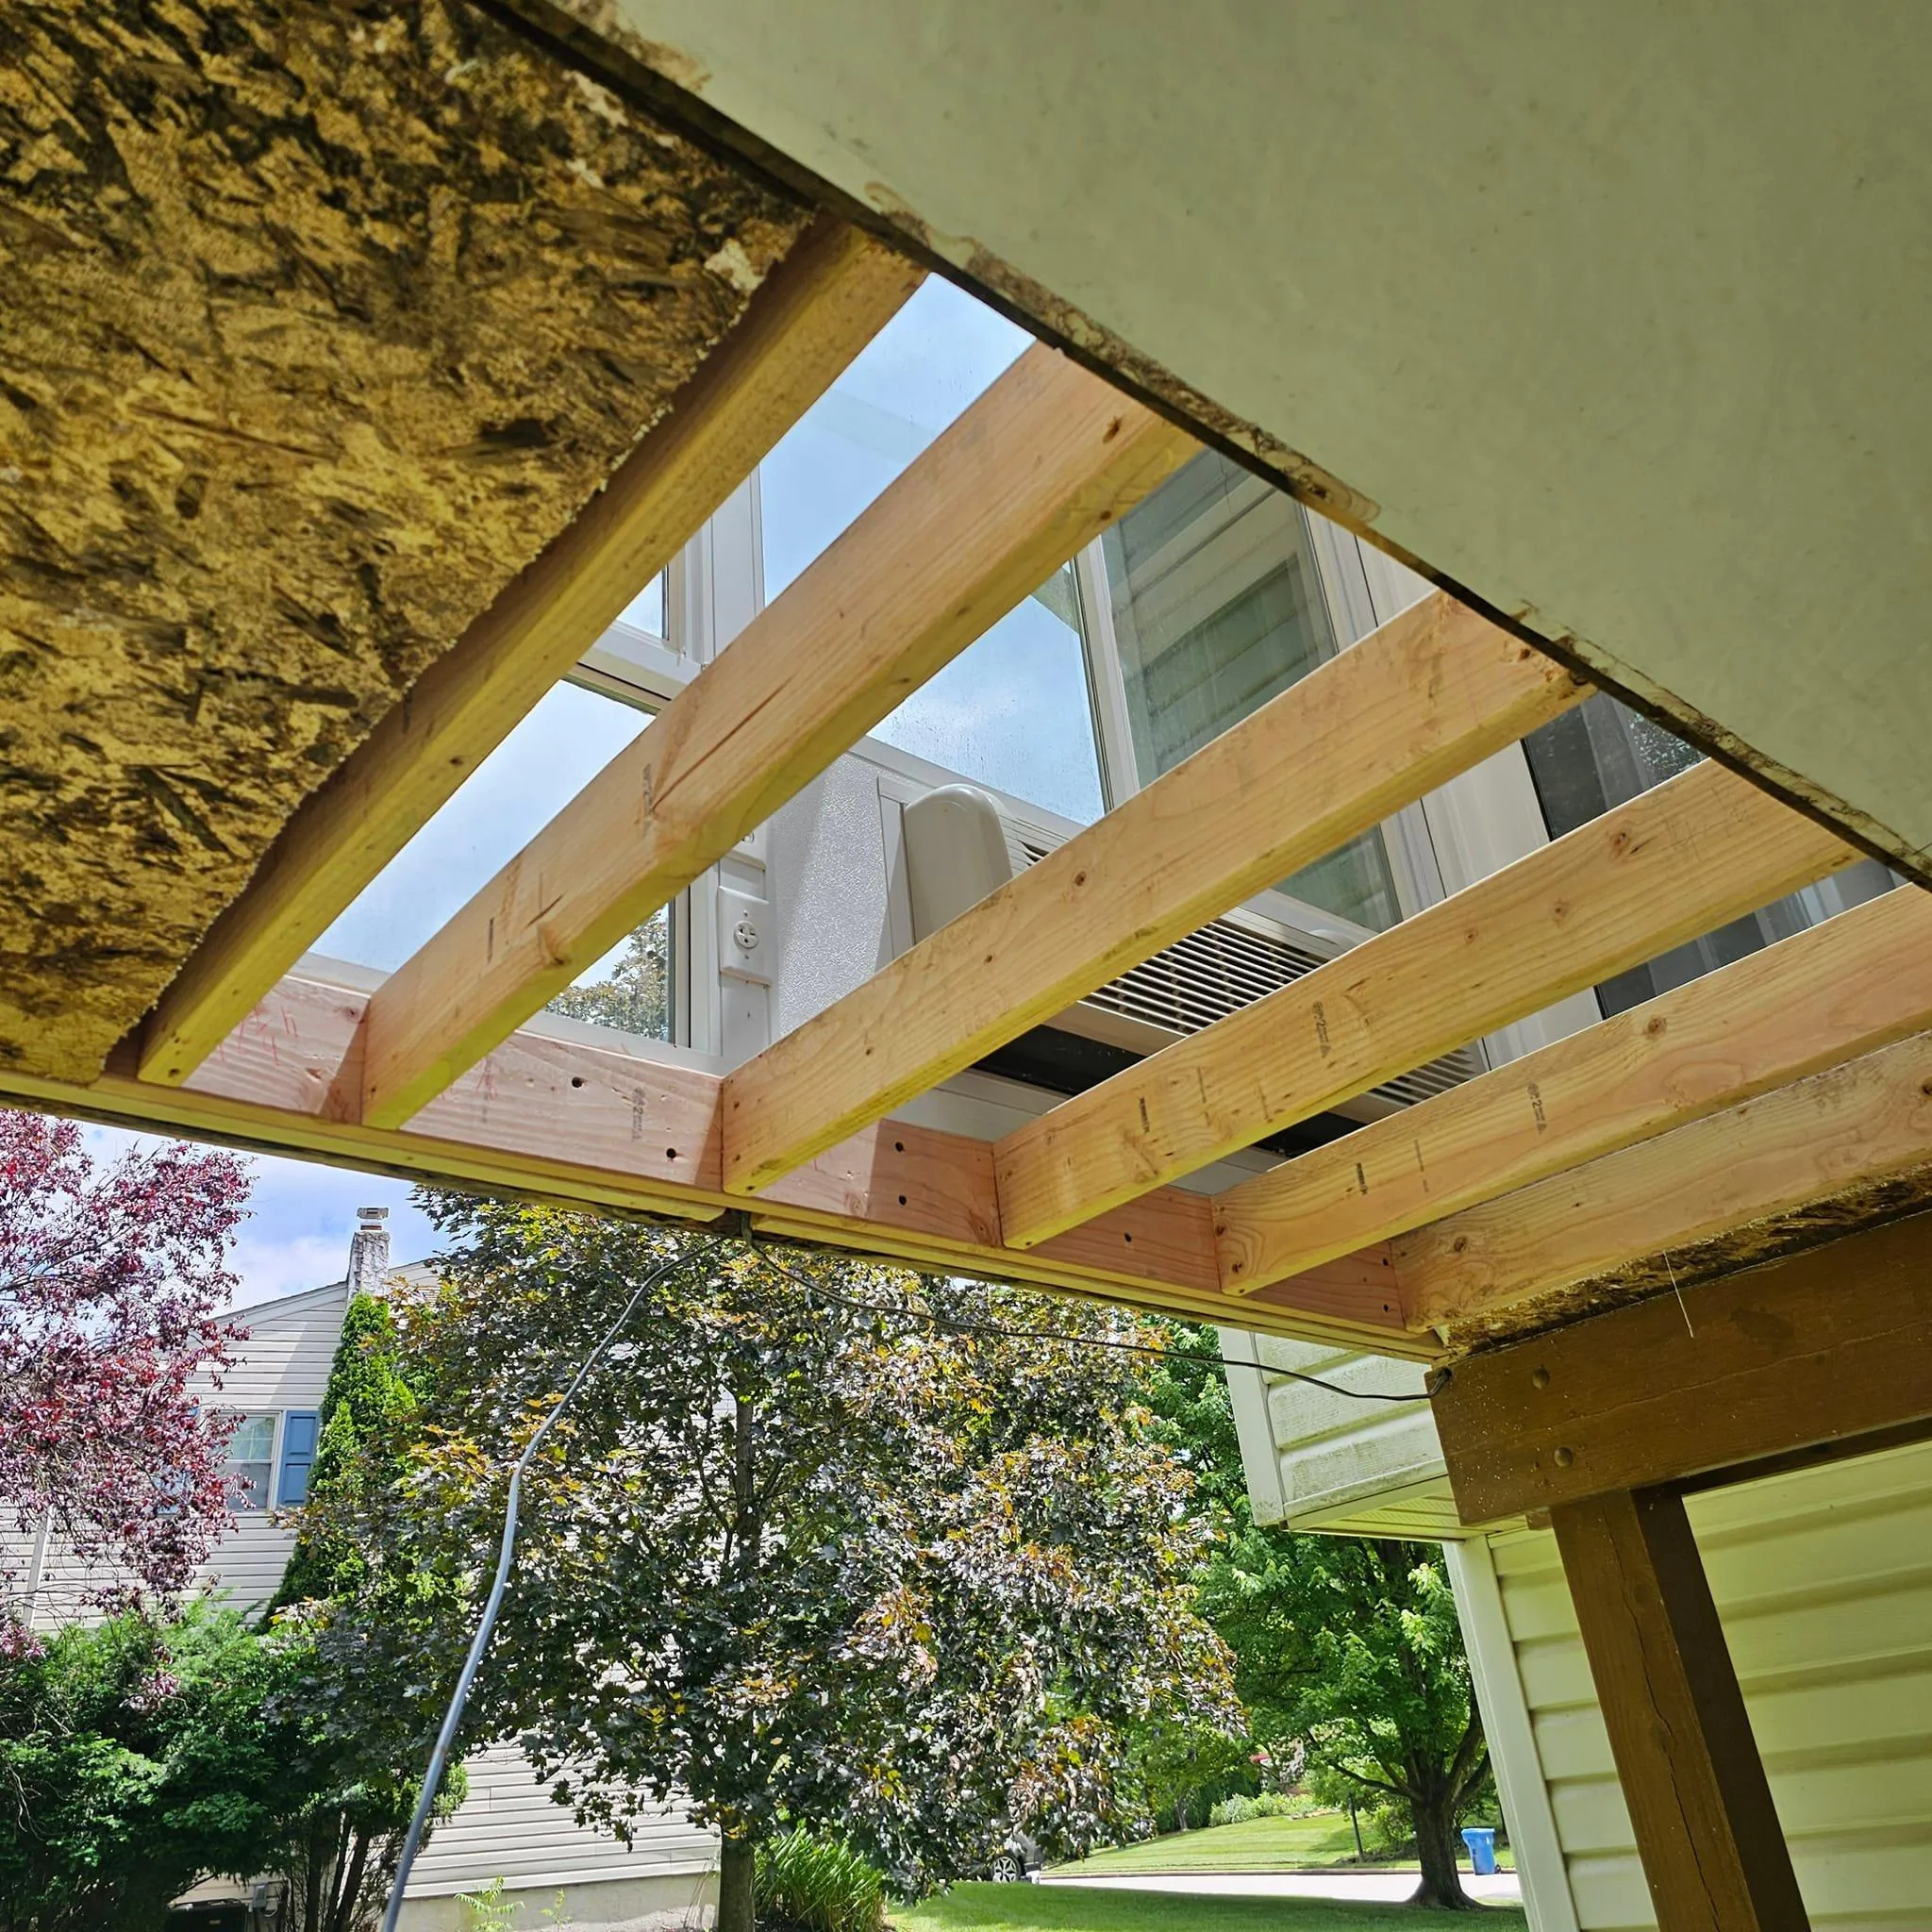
(112,1277)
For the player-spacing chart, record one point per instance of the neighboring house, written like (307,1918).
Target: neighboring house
(506,1827)
(1823,1578)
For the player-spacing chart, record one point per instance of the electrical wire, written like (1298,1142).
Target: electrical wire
(439,1757)
(765,1251)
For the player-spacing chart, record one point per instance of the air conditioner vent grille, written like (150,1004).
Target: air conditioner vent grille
(1226,965)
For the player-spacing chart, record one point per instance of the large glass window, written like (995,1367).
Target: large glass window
(1217,606)
(549,757)
(1601,755)
(1013,709)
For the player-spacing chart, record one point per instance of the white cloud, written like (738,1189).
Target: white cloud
(302,1214)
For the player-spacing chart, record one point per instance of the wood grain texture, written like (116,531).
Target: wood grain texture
(1494,1269)
(821,304)
(558,1114)
(1036,467)
(1843,988)
(320,322)
(1432,692)
(1677,861)
(1713,1850)
(1830,1344)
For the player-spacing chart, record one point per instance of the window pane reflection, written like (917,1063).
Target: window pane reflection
(251,1451)
(646,611)
(1217,608)
(630,989)
(1601,755)
(563,743)
(1013,709)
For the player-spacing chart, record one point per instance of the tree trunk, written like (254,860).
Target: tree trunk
(735,1860)
(349,1884)
(1435,1844)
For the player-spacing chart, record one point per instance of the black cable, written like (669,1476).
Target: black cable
(1172,1355)
(439,1757)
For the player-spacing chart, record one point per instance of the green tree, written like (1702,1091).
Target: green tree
(138,1759)
(346,1833)
(367,1400)
(1186,1769)
(636,997)
(806,1551)
(1347,1645)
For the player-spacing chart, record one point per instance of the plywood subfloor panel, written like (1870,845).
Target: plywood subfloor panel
(321,321)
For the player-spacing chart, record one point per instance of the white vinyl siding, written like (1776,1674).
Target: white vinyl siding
(508,1827)
(1823,1580)
(283,1365)
(1317,1459)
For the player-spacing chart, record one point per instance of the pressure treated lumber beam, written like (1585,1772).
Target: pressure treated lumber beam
(1430,693)
(1843,988)
(1677,861)
(1713,1851)
(554,1113)
(1039,466)
(1829,1346)
(829,297)
(1850,1132)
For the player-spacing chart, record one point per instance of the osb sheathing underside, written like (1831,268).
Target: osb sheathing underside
(320,322)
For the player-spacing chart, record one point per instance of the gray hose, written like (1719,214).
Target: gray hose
(438,1758)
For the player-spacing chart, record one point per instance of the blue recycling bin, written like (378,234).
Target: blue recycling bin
(1481,1841)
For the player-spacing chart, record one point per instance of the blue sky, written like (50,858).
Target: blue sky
(1012,709)
(303,1214)
(1012,712)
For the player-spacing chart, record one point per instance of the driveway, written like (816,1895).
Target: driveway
(1388,1887)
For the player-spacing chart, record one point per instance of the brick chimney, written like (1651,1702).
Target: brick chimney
(369,1252)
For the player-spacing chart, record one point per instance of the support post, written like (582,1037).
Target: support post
(1714,1852)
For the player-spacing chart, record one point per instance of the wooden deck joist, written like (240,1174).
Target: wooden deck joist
(828,298)
(1676,862)
(1838,1136)
(554,1114)
(1841,990)
(1034,470)
(1429,694)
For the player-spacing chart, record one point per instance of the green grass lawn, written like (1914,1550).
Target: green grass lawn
(1077,1908)
(1260,1845)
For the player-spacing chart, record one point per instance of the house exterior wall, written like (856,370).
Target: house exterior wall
(1823,1579)
(506,1827)
(1824,1582)
(283,1366)
(1316,1459)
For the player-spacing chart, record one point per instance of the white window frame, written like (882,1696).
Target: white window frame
(274,1456)
(1352,615)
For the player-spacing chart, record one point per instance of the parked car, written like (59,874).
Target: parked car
(1015,1858)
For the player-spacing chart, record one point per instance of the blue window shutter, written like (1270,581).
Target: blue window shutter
(298,1455)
